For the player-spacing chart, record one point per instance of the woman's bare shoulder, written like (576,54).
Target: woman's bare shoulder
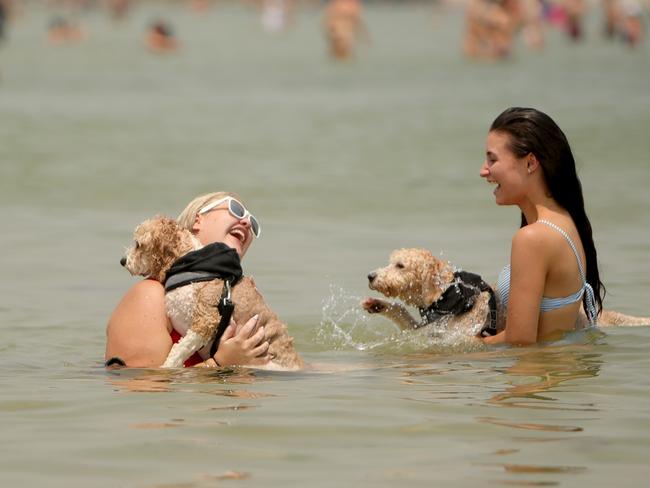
(534,235)
(534,245)
(146,288)
(138,329)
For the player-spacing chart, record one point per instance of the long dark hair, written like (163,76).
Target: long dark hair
(532,131)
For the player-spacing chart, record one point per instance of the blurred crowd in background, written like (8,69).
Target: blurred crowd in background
(492,25)
(491,28)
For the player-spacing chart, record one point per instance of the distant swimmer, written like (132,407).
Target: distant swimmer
(343,25)
(276,14)
(632,22)
(160,37)
(4,17)
(62,30)
(200,6)
(489,29)
(575,12)
(612,14)
(532,23)
(624,20)
(118,9)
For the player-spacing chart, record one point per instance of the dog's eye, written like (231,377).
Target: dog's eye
(136,244)
(399,265)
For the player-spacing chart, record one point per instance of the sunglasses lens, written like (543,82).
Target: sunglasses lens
(239,212)
(255,226)
(237,209)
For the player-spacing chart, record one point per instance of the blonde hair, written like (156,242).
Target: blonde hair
(187,217)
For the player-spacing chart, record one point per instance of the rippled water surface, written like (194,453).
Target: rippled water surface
(342,164)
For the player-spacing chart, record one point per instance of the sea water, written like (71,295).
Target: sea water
(342,163)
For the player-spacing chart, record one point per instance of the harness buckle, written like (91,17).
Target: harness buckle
(227,286)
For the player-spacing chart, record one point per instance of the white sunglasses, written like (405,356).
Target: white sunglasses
(237,210)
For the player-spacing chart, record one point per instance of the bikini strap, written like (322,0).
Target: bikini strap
(590,300)
(573,246)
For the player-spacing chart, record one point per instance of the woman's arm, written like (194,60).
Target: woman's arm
(528,269)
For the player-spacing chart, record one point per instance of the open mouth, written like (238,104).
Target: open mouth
(238,234)
(492,182)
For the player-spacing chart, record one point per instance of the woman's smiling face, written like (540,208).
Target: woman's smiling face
(503,168)
(219,225)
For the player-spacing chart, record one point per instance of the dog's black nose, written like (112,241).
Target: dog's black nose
(372,276)
(123,261)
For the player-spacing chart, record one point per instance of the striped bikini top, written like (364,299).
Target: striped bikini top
(548,304)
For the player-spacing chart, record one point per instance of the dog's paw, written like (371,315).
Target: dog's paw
(374,305)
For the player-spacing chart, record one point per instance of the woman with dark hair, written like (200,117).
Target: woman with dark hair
(553,263)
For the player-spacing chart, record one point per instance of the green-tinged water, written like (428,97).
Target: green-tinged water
(342,164)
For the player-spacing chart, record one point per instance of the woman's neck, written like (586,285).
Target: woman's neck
(542,209)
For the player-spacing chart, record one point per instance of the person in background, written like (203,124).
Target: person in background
(532,20)
(62,30)
(632,22)
(575,12)
(343,24)
(118,9)
(161,38)
(5,10)
(489,29)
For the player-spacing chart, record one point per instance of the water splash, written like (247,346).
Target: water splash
(345,325)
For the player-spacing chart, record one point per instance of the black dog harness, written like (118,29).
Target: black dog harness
(459,298)
(215,261)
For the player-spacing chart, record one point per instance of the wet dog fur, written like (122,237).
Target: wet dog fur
(418,278)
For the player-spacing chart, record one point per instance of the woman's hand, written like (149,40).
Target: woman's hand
(499,338)
(244,345)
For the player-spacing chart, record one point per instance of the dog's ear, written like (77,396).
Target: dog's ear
(165,244)
(436,274)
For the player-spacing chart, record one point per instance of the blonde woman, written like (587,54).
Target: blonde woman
(139,333)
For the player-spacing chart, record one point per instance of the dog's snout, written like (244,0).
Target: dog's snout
(123,261)
(372,276)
